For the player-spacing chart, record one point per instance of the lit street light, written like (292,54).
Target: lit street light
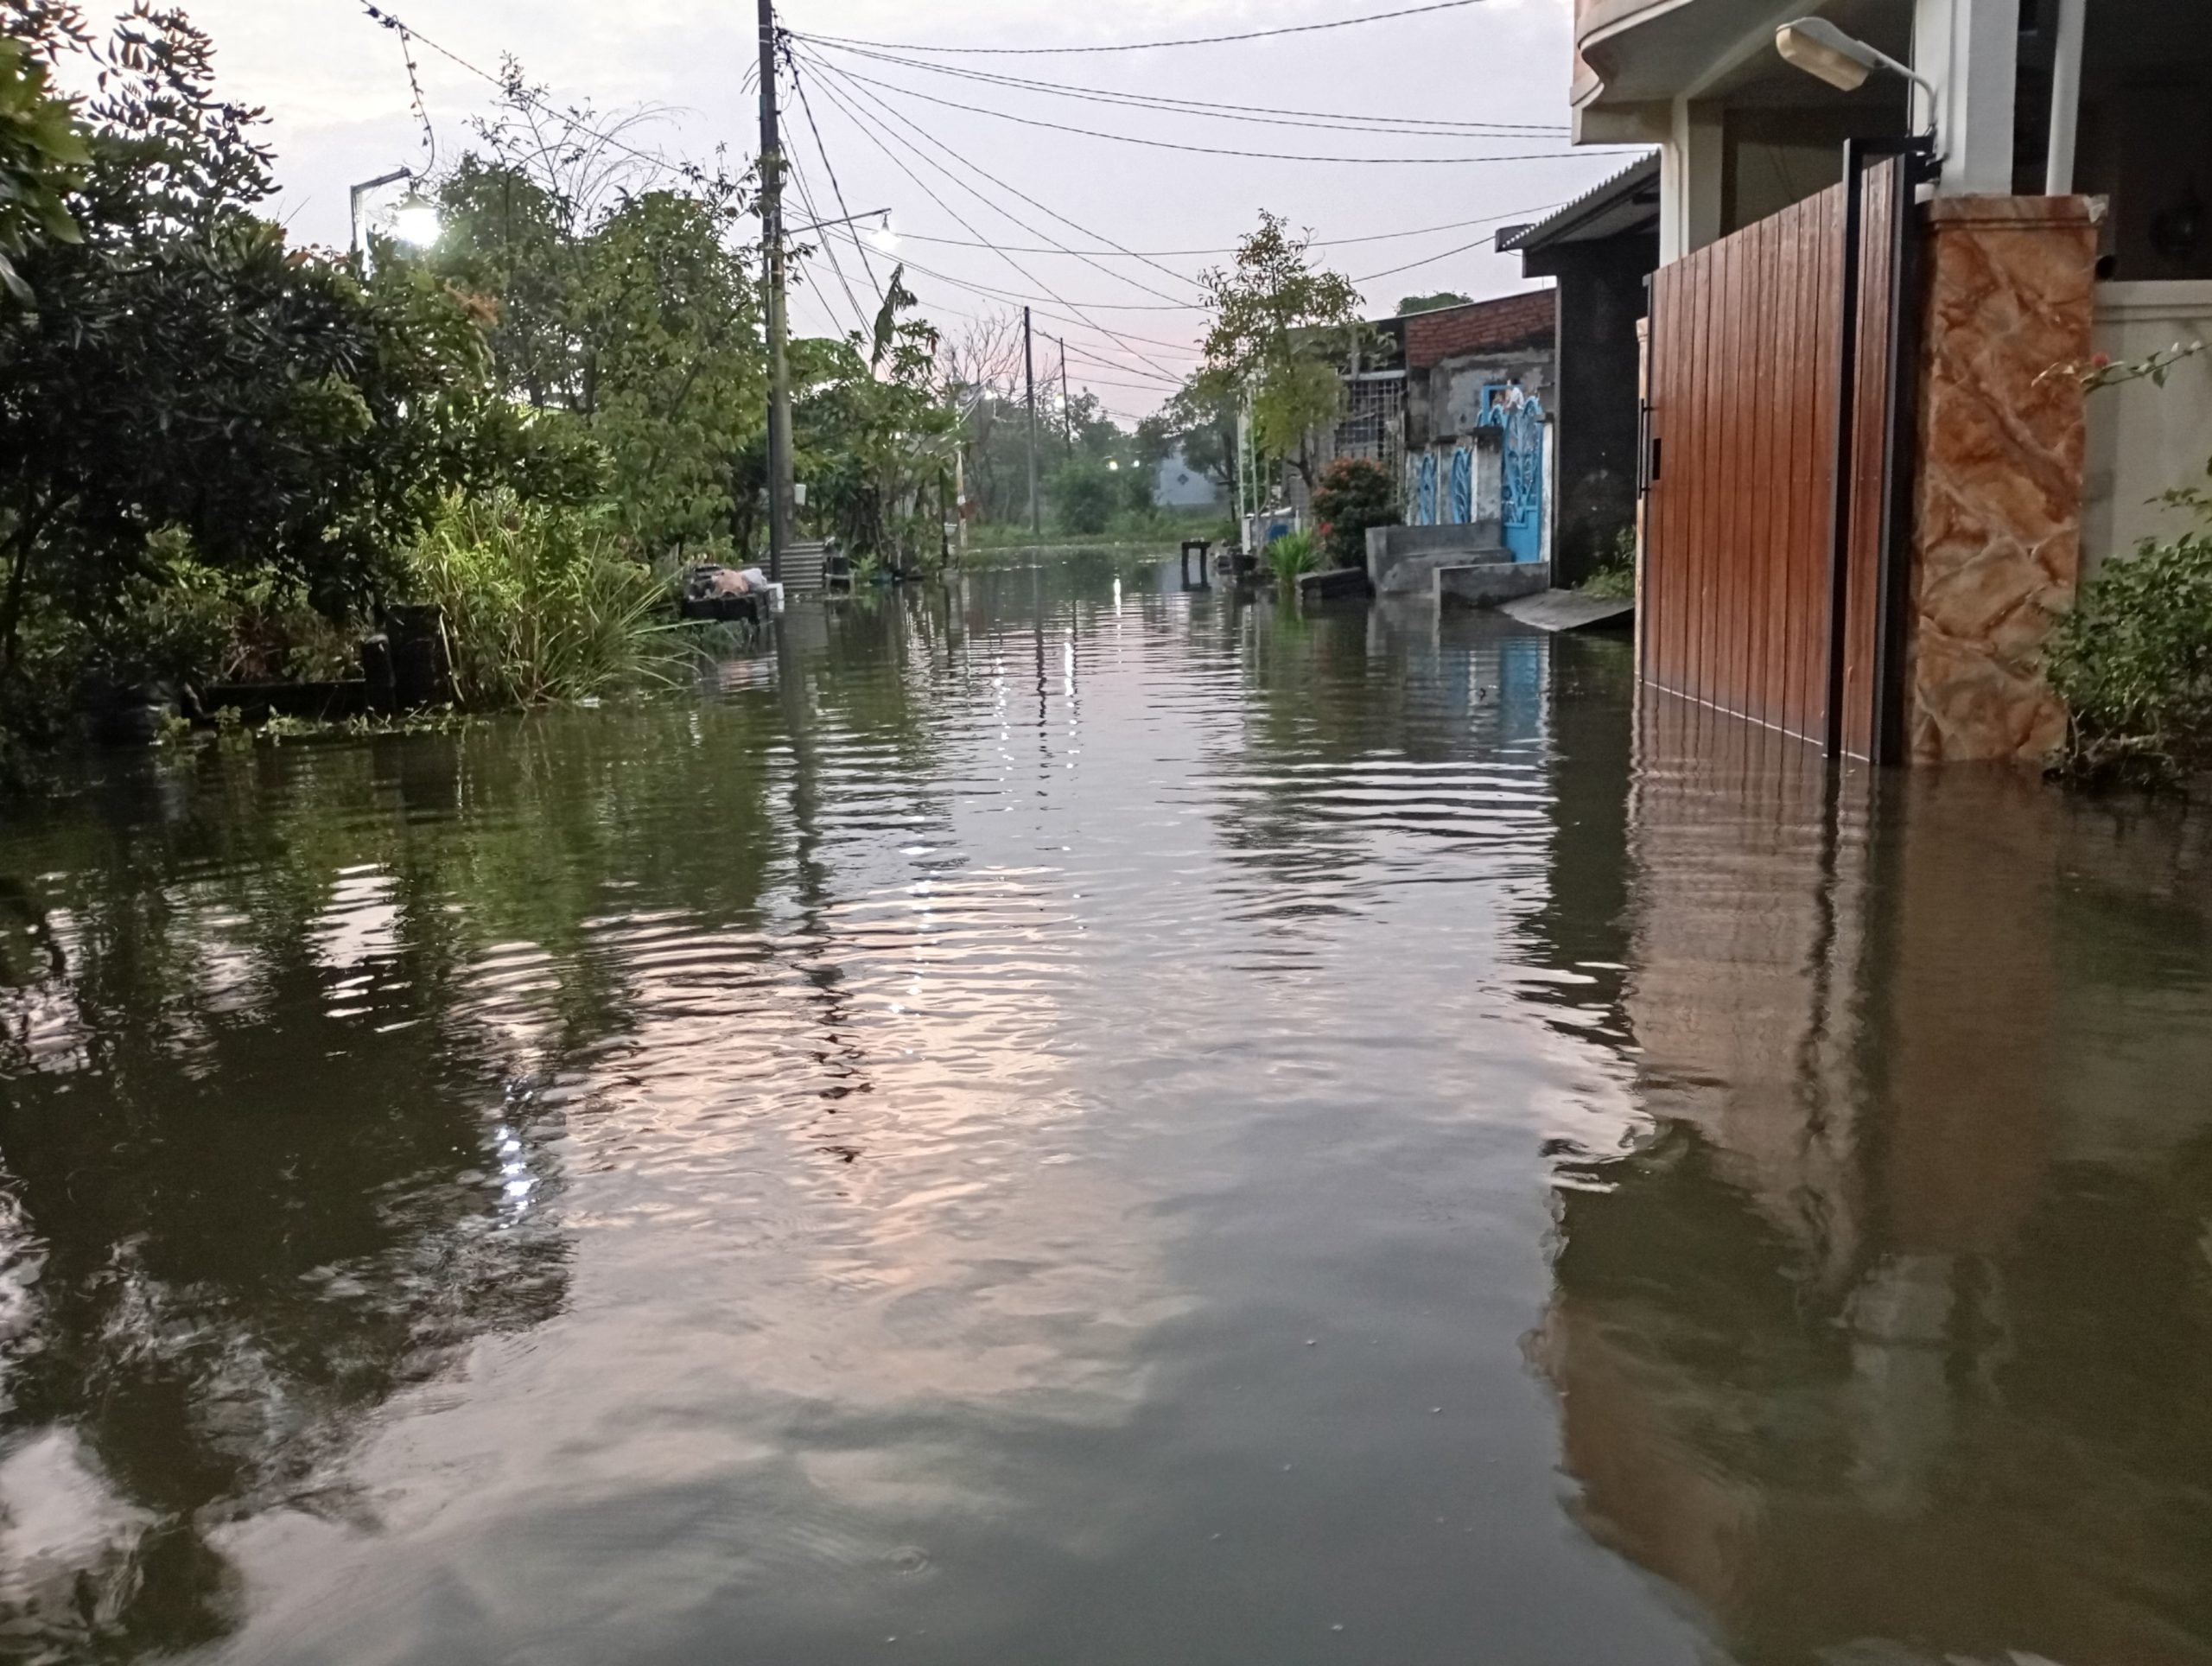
(416,222)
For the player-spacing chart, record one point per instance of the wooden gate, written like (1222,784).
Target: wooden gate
(1777,463)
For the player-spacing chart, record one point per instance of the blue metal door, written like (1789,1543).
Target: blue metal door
(1521,486)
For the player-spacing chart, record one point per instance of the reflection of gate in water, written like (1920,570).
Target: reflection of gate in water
(1521,482)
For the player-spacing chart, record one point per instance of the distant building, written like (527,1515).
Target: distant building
(1178,486)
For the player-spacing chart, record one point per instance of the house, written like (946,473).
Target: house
(1870,482)
(1598,250)
(1455,402)
(1176,484)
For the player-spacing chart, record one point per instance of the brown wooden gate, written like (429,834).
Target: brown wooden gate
(1772,561)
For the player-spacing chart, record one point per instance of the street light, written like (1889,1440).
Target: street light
(416,222)
(1821,49)
(360,192)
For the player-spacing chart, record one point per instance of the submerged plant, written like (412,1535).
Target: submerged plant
(1291,555)
(541,603)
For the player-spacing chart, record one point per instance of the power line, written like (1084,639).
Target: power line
(1208,150)
(1318,243)
(868,127)
(1430,261)
(521,94)
(806,197)
(1147,46)
(994,179)
(799,86)
(1260,115)
(1120,337)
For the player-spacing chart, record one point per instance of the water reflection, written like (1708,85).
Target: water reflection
(1065,1118)
(1891,1340)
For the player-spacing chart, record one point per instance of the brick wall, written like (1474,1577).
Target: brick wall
(1513,321)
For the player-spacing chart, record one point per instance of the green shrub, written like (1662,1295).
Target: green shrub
(1353,495)
(1083,493)
(541,603)
(2133,662)
(1290,555)
(1614,579)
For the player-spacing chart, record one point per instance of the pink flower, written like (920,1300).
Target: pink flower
(2101,360)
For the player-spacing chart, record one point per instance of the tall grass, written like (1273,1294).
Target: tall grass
(1293,554)
(542,604)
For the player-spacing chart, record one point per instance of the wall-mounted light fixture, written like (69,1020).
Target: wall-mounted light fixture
(1825,52)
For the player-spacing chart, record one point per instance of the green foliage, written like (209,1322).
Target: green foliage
(2132,662)
(1280,331)
(1614,581)
(541,603)
(871,438)
(43,156)
(1421,304)
(1290,555)
(629,311)
(1083,494)
(184,369)
(1353,495)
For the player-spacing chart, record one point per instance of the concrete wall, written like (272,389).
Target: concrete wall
(2144,439)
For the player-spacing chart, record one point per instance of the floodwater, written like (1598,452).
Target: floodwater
(1063,1122)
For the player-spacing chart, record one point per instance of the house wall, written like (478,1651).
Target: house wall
(1176,484)
(1997,534)
(1600,299)
(2143,439)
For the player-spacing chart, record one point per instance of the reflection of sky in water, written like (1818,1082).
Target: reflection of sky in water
(1049,1136)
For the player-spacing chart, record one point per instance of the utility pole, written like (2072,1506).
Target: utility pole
(1029,381)
(1067,406)
(771,258)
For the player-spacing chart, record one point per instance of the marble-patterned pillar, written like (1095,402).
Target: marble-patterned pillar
(1996,533)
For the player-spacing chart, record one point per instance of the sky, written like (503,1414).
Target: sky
(335,85)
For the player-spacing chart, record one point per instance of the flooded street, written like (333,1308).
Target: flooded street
(1061,1121)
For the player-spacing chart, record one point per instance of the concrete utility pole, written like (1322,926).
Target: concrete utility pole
(1067,405)
(771,258)
(1029,381)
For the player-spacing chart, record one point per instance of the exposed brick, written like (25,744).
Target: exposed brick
(1509,321)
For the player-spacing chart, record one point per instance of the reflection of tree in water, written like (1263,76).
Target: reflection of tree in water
(264,1163)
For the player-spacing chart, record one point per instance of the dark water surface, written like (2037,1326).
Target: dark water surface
(1066,1123)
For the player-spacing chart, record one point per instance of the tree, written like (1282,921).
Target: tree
(1280,333)
(185,371)
(617,294)
(42,155)
(1420,303)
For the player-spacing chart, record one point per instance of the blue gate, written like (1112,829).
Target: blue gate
(1425,490)
(1521,485)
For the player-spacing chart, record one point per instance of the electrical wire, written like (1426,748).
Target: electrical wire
(520,94)
(799,86)
(1210,149)
(1411,265)
(1120,337)
(1259,115)
(976,168)
(806,199)
(869,128)
(415,96)
(1318,243)
(1147,46)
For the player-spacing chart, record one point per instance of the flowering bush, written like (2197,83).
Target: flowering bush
(1353,495)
